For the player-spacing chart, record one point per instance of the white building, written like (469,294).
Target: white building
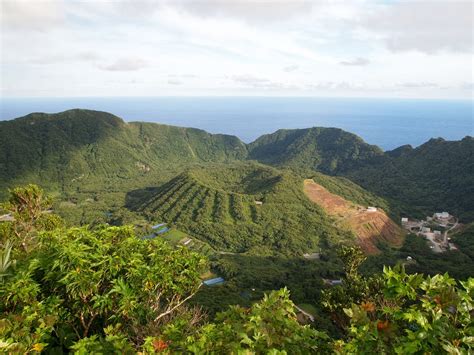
(441,215)
(371,209)
(404,220)
(426,230)
(258,203)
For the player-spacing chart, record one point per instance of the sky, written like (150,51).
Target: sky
(353,48)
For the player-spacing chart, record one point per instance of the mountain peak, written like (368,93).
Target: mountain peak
(72,114)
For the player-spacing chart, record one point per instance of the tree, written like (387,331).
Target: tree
(30,209)
(354,288)
(415,314)
(269,326)
(86,280)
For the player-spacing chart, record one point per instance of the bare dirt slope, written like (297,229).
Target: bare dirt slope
(369,227)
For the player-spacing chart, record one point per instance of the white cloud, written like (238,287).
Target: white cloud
(175,82)
(356,62)
(31,15)
(291,68)
(252,11)
(418,85)
(125,64)
(426,26)
(236,47)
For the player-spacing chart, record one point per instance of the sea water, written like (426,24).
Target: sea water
(388,123)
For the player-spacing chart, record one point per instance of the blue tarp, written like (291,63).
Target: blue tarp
(210,282)
(161,231)
(158,226)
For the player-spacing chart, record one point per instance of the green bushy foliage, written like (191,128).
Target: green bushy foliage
(329,150)
(268,327)
(29,208)
(82,281)
(413,315)
(436,176)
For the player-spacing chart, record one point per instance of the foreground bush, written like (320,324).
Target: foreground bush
(81,281)
(104,290)
(414,315)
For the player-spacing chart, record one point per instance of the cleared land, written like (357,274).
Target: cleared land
(369,227)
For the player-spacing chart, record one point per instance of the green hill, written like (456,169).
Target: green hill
(218,204)
(329,150)
(436,176)
(83,149)
(90,151)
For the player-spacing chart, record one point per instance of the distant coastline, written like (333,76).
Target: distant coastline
(388,123)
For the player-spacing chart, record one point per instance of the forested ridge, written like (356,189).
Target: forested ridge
(91,150)
(82,268)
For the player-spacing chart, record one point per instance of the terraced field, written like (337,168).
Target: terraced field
(217,204)
(186,198)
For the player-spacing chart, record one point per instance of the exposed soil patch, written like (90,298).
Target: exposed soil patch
(369,227)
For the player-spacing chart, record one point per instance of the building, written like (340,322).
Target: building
(409,258)
(215,281)
(442,215)
(425,230)
(404,220)
(437,232)
(371,209)
(258,203)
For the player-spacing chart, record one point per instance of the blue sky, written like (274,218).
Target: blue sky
(357,48)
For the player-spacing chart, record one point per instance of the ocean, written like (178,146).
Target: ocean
(388,123)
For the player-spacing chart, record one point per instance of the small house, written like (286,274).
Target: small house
(409,258)
(371,209)
(404,220)
(425,230)
(258,203)
(437,232)
(215,281)
(442,215)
